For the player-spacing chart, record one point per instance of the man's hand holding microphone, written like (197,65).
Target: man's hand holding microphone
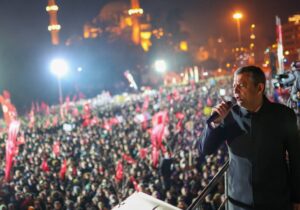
(219,112)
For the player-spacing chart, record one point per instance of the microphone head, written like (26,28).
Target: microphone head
(233,101)
(230,100)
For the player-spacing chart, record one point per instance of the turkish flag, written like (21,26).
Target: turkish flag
(159,122)
(81,95)
(137,109)
(86,122)
(11,147)
(119,171)
(87,109)
(37,107)
(45,108)
(135,184)
(61,112)
(95,121)
(6,95)
(176,95)
(200,105)
(209,102)
(145,122)
(9,112)
(129,159)
(86,114)
(179,115)
(45,166)
(63,169)
(56,148)
(74,171)
(74,98)
(47,123)
(31,117)
(143,152)
(113,121)
(179,126)
(55,121)
(160,118)
(157,135)
(146,104)
(107,126)
(75,112)
(67,104)
(155,156)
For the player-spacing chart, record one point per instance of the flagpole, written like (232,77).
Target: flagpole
(60,91)
(279,46)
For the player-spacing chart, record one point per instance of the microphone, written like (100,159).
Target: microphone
(215,115)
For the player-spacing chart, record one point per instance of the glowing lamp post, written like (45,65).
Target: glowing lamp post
(160,66)
(238,16)
(59,68)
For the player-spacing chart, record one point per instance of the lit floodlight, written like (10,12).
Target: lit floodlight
(160,66)
(204,89)
(222,92)
(59,67)
(237,15)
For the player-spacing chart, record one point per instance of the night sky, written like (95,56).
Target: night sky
(25,48)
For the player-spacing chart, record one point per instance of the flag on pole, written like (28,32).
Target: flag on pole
(279,46)
(146,104)
(31,117)
(159,122)
(155,156)
(63,169)
(160,118)
(55,121)
(128,159)
(135,184)
(45,166)
(143,152)
(11,147)
(6,95)
(56,148)
(130,79)
(9,110)
(119,171)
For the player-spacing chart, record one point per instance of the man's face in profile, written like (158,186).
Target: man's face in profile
(245,91)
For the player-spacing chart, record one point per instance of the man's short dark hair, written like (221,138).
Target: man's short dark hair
(257,75)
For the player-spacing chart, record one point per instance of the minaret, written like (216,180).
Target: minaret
(53,27)
(135,12)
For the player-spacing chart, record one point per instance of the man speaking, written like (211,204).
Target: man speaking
(263,144)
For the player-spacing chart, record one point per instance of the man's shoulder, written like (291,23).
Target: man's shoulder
(278,108)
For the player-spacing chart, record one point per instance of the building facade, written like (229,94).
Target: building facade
(291,38)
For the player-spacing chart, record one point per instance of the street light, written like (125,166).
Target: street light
(59,68)
(160,66)
(238,16)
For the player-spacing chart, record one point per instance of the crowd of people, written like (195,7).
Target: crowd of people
(97,162)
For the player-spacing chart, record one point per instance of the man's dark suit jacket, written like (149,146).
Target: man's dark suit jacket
(259,174)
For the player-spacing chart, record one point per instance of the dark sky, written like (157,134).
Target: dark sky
(25,49)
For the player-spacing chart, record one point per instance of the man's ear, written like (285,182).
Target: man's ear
(261,88)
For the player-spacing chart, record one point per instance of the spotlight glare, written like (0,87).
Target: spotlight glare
(160,66)
(59,67)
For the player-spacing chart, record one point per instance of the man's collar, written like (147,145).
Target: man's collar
(247,113)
